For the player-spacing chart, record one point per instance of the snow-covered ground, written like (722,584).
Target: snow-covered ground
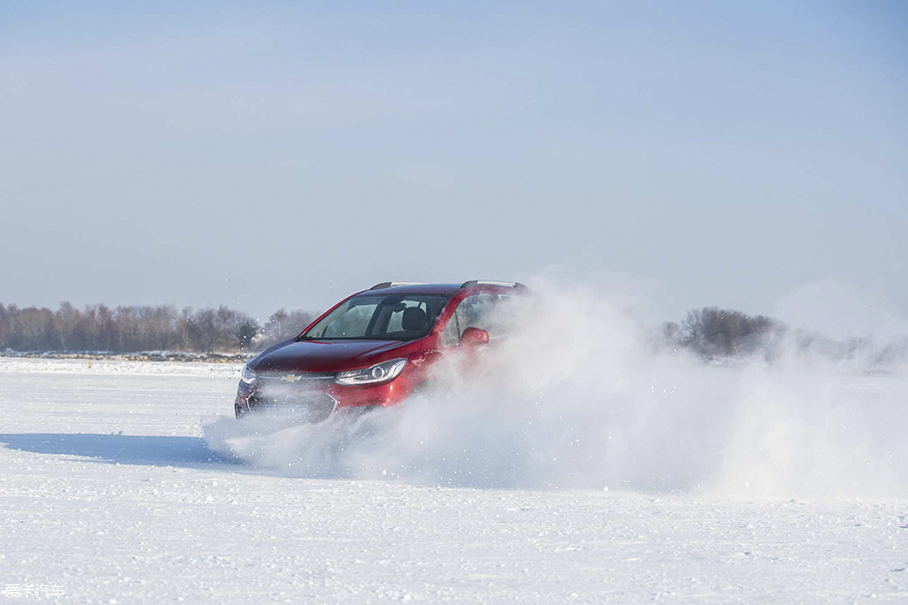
(115,367)
(109,488)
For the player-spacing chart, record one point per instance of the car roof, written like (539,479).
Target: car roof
(446,289)
(443,289)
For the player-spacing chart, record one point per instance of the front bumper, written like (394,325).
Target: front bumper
(314,399)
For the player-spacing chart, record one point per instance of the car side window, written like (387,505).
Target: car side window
(477,311)
(451,335)
(472,312)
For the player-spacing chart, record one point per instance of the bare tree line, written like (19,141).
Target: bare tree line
(127,329)
(710,333)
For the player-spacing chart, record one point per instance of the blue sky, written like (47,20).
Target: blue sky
(710,153)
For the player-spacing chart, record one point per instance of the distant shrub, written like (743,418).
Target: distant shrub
(712,332)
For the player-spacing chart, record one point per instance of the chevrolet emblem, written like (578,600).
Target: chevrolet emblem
(290,378)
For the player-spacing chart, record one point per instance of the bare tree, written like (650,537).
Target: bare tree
(162,327)
(7,314)
(712,332)
(281,326)
(66,320)
(34,328)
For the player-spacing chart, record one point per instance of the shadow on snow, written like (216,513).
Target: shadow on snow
(120,449)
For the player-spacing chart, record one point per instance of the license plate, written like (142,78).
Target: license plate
(286,411)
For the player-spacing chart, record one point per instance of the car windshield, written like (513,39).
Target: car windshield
(380,317)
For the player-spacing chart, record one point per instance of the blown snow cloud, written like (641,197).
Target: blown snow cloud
(578,397)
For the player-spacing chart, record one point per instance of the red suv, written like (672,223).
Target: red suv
(371,349)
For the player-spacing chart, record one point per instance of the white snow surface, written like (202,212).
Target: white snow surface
(117,367)
(130,483)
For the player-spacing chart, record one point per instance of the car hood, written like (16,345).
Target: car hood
(328,355)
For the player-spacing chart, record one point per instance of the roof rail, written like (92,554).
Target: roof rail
(393,284)
(490,282)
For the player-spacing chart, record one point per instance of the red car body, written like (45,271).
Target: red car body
(301,376)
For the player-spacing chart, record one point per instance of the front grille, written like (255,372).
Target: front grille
(296,377)
(301,404)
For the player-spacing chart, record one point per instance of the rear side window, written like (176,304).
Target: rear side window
(478,311)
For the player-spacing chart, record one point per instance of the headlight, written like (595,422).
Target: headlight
(248,376)
(380,372)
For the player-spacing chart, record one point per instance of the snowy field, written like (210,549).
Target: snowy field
(110,489)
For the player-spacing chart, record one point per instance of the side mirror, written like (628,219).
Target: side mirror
(474,336)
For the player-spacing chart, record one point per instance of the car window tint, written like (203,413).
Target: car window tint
(501,315)
(451,335)
(395,321)
(379,316)
(481,311)
(351,324)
